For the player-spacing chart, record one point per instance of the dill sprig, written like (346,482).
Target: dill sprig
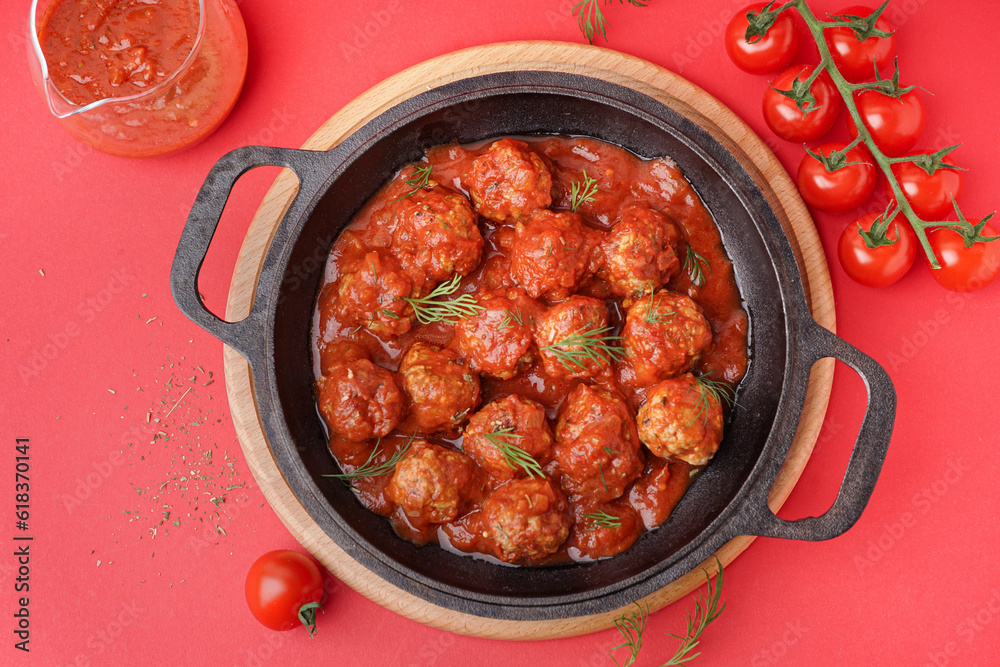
(581,192)
(692,266)
(603,519)
(652,314)
(428,310)
(371,469)
(509,318)
(720,391)
(581,345)
(706,610)
(600,469)
(419,179)
(514,455)
(591,18)
(631,626)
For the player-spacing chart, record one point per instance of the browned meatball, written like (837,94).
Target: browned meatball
(436,235)
(602,531)
(508,180)
(526,519)
(371,294)
(552,253)
(340,351)
(581,319)
(681,418)
(640,252)
(665,335)
(597,446)
(497,340)
(432,483)
(511,420)
(360,400)
(442,389)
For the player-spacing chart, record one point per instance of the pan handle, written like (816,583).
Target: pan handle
(203,221)
(866,459)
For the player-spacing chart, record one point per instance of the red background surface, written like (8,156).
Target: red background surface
(913,583)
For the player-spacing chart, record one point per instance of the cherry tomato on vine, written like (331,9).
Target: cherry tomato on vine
(855,58)
(786,120)
(841,190)
(284,589)
(929,195)
(964,269)
(884,264)
(771,52)
(894,123)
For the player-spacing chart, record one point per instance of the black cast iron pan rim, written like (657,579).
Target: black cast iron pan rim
(746,514)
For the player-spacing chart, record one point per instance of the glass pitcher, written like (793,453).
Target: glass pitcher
(177,112)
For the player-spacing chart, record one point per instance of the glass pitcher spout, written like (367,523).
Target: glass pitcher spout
(63,108)
(118,78)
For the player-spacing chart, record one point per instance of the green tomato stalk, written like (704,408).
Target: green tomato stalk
(592,22)
(864,28)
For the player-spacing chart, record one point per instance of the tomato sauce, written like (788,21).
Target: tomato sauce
(99,49)
(622,179)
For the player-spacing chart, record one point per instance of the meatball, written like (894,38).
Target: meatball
(552,253)
(441,388)
(512,420)
(681,418)
(576,317)
(371,295)
(436,235)
(525,519)
(497,340)
(432,483)
(640,252)
(597,445)
(339,351)
(665,335)
(508,180)
(360,400)
(602,531)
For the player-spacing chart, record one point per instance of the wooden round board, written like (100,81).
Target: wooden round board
(665,86)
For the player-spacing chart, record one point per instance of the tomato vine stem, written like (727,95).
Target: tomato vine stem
(847,90)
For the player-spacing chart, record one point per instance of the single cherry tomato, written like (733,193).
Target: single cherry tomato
(964,269)
(841,190)
(786,120)
(884,264)
(855,58)
(894,123)
(768,54)
(284,589)
(929,195)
